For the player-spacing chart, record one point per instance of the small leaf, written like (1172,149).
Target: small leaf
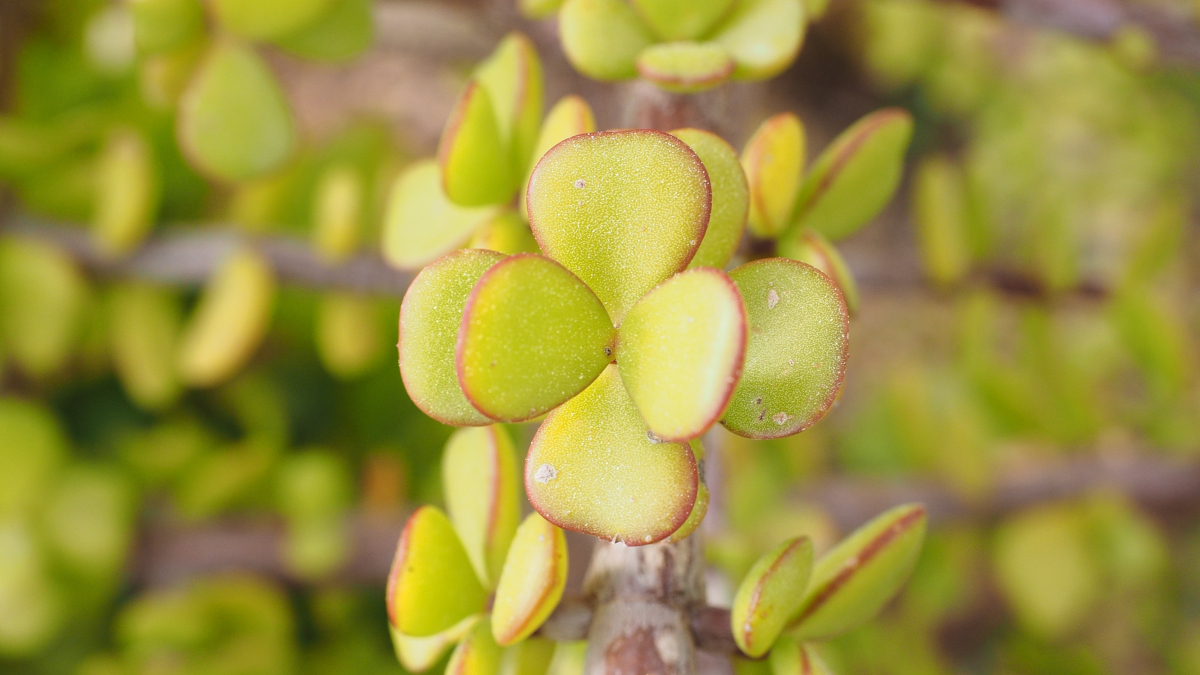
(534,577)
(939,210)
(682,19)
(33,448)
(230,321)
(126,194)
(512,77)
(476,167)
(42,300)
(796,352)
(851,583)
(421,224)
(774,161)
(695,518)
(430,316)
(855,177)
(529,657)
(622,231)
(569,117)
(478,653)
(507,233)
(88,520)
(267,19)
(602,38)
(163,25)
(480,482)
(432,585)
(348,335)
(418,654)
(144,331)
(680,352)
(538,9)
(337,213)
(770,595)
(234,122)
(808,246)
(685,67)
(730,197)
(532,336)
(593,467)
(791,657)
(763,36)
(344,32)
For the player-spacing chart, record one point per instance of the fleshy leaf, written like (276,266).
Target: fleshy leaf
(512,76)
(430,317)
(796,352)
(267,19)
(685,67)
(348,336)
(230,321)
(42,298)
(478,653)
(421,223)
(808,246)
(144,332)
(432,585)
(763,36)
(602,38)
(730,197)
(418,654)
(532,336)
(774,162)
(695,518)
(337,213)
(534,577)
(126,194)
(342,33)
(770,595)
(680,352)
(507,233)
(852,582)
(234,122)
(593,467)
(569,117)
(532,656)
(480,482)
(791,657)
(855,177)
(681,19)
(623,210)
(538,9)
(476,168)
(939,210)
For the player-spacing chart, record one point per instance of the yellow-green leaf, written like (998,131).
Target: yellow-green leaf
(267,19)
(939,210)
(602,38)
(480,480)
(685,67)
(418,654)
(569,117)
(163,25)
(763,36)
(538,9)
(682,19)
(507,233)
(792,657)
(33,448)
(349,338)
(534,577)
(808,246)
(532,656)
(774,163)
(478,653)
(126,193)
(476,167)
(42,299)
(593,467)
(695,518)
(512,77)
(730,197)
(432,585)
(421,224)
(144,323)
(337,213)
(770,595)
(88,520)
(343,32)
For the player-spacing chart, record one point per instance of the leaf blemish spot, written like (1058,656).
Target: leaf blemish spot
(780,418)
(772,299)
(545,474)
(580,183)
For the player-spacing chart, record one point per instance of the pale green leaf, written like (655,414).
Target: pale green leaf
(534,577)
(808,246)
(342,33)
(682,19)
(685,67)
(763,36)
(730,197)
(267,19)
(770,595)
(602,38)
(473,155)
(144,325)
(774,163)
(421,224)
(480,481)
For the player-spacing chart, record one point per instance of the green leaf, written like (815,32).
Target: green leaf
(808,246)
(418,654)
(534,577)
(790,657)
(593,467)
(852,582)
(476,167)
(512,77)
(88,520)
(344,32)
(477,654)
(770,595)
(144,326)
(348,336)
(695,518)
(730,197)
(682,19)
(421,224)
(163,25)
(569,117)
(267,19)
(856,176)
(126,194)
(680,352)
(796,352)
(234,122)
(42,300)
(337,213)
(939,210)
(533,335)
(430,316)
(774,162)
(507,233)
(432,585)
(602,38)
(685,67)
(624,210)
(32,450)
(532,656)
(763,36)
(539,9)
(480,482)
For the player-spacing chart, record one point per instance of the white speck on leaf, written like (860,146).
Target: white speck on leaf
(772,299)
(580,183)
(780,418)
(545,474)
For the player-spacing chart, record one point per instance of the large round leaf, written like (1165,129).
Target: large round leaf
(680,352)
(685,67)
(429,320)
(480,482)
(534,577)
(602,38)
(432,585)
(532,336)
(682,19)
(796,352)
(421,224)
(774,162)
(763,36)
(476,167)
(730,197)
(770,595)
(624,210)
(594,467)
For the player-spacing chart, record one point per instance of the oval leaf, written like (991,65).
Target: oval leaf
(770,595)
(851,583)
(763,36)
(534,577)
(796,352)
(42,298)
(337,212)
(593,467)
(602,38)
(812,248)
(730,197)
(774,161)
(144,330)
(512,77)
(623,210)
(476,169)
(532,336)
(682,19)
(480,483)
(430,316)
(791,657)
(939,209)
(680,352)
(432,585)
(478,653)
(267,19)
(569,117)
(421,223)
(418,654)
(126,194)
(685,67)
(348,337)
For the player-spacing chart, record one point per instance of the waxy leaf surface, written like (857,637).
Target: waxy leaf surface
(476,167)
(421,223)
(680,352)
(796,349)
(685,67)
(774,162)
(532,336)
(512,76)
(534,577)
(808,246)
(480,480)
(623,210)
(569,117)
(681,19)
(267,19)
(418,654)
(770,595)
(430,317)
(851,583)
(763,36)
(594,468)
(730,197)
(792,657)
(432,585)
(602,38)
(477,654)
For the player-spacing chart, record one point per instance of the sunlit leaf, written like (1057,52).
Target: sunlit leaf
(808,246)
(796,351)
(478,653)
(602,38)
(681,19)
(432,585)
(730,197)
(512,77)
(685,67)
(763,36)
(533,335)
(32,450)
(348,335)
(770,595)
(144,323)
(534,577)
(507,233)
(774,163)
(421,224)
(267,19)
(480,480)
(623,210)
(569,117)
(337,212)
(940,214)
(343,32)
(473,155)
(126,193)
(418,654)
(42,298)
(593,467)
(792,657)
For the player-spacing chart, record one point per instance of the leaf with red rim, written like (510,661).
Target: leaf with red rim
(682,19)
(478,653)
(602,38)
(421,224)
(512,76)
(624,210)
(774,162)
(532,336)
(808,246)
(418,654)
(685,67)
(730,197)
(480,481)
(796,350)
(531,656)
(792,657)
(569,117)
(770,595)
(430,316)
(763,36)
(476,167)
(680,352)
(593,467)
(695,518)
(535,574)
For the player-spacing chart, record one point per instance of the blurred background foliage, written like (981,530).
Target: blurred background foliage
(207,481)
